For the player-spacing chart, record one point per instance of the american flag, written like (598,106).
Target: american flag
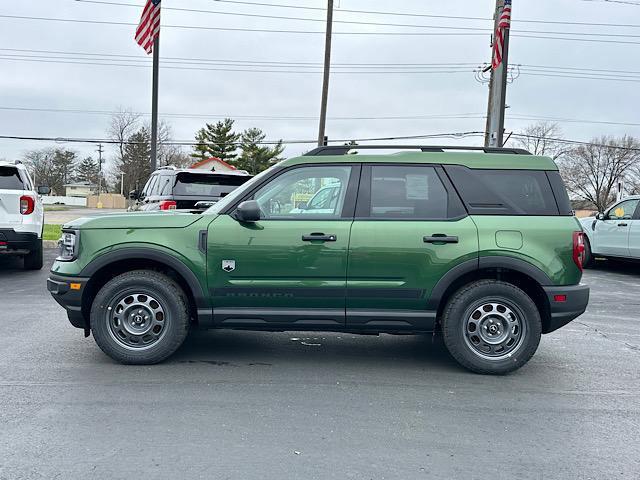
(498,42)
(149,28)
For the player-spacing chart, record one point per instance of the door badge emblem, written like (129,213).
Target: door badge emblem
(228,265)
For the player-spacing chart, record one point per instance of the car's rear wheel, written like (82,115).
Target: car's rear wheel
(588,255)
(140,317)
(34,259)
(491,327)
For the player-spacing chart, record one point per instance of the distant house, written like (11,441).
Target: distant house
(80,189)
(215,164)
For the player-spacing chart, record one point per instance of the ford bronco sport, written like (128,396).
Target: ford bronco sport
(480,244)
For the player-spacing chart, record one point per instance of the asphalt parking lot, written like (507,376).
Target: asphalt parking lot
(244,405)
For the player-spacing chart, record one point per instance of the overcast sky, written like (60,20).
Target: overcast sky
(198,89)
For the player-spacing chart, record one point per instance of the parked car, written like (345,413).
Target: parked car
(481,245)
(170,188)
(21,215)
(615,233)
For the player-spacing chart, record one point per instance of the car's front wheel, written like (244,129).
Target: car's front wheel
(140,317)
(491,327)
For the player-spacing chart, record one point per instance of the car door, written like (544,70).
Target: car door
(410,230)
(634,234)
(611,235)
(288,268)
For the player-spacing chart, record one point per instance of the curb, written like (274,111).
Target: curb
(50,244)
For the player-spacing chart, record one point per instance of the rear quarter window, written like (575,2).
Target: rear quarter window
(504,192)
(10,179)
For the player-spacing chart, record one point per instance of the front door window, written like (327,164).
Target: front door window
(308,192)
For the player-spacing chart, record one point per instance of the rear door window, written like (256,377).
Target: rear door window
(504,192)
(410,192)
(10,179)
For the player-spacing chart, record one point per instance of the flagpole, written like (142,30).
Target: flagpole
(154,104)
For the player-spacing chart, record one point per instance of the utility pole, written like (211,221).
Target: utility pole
(497,87)
(154,105)
(100,150)
(325,80)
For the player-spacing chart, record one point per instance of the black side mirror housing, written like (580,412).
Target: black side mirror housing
(600,216)
(134,195)
(44,190)
(248,211)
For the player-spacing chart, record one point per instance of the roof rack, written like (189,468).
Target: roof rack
(344,149)
(167,167)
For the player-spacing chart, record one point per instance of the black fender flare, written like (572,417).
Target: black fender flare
(150,254)
(481,263)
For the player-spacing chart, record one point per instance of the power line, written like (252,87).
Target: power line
(205,116)
(424,15)
(455,31)
(351,22)
(297,63)
(264,142)
(251,117)
(401,71)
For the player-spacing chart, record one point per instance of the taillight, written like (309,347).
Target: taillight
(27,205)
(578,249)
(167,205)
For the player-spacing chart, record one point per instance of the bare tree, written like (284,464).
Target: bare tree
(540,139)
(168,153)
(123,124)
(592,171)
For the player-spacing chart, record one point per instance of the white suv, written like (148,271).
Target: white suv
(21,215)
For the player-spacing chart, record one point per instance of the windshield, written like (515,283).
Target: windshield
(200,185)
(238,192)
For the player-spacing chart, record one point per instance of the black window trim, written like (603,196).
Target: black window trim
(348,208)
(362,211)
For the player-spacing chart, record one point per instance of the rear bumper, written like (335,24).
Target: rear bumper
(566,304)
(10,240)
(69,297)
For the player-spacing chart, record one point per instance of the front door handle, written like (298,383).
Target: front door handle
(440,238)
(623,224)
(319,237)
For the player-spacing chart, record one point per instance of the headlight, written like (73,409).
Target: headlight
(68,246)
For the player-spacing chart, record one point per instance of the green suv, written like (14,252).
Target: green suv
(477,243)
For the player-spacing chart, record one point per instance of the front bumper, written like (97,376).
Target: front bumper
(12,241)
(565,304)
(67,291)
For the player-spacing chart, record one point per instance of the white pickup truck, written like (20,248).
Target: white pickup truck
(21,215)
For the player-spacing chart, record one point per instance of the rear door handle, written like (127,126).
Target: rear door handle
(319,237)
(440,238)
(623,224)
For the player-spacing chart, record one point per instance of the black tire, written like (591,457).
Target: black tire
(588,255)
(472,300)
(34,259)
(110,309)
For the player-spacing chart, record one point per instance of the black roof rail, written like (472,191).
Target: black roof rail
(344,149)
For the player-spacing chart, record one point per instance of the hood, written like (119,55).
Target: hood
(169,219)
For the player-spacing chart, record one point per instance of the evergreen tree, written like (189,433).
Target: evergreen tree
(217,140)
(136,160)
(88,171)
(255,156)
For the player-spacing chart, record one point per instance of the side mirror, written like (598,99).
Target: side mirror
(600,216)
(134,195)
(303,205)
(248,211)
(44,190)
